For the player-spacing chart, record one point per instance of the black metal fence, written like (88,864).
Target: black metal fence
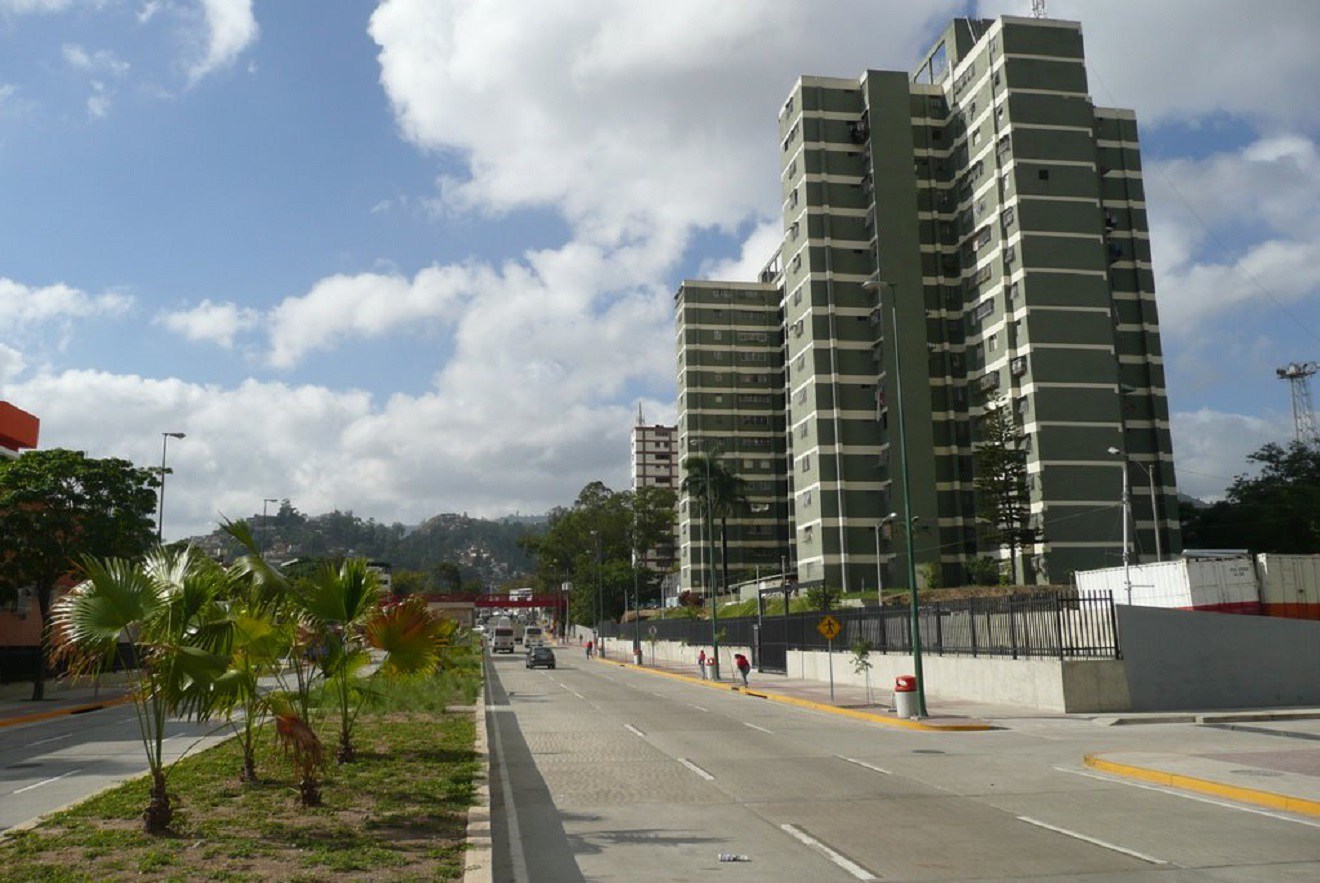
(1065,625)
(19,664)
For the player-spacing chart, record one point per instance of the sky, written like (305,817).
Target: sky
(418,256)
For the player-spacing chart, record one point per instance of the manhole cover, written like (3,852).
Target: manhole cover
(927,751)
(1264,773)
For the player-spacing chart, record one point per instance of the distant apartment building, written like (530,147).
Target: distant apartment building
(655,464)
(730,342)
(983,221)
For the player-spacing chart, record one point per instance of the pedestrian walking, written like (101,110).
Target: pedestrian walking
(591,645)
(701,663)
(744,666)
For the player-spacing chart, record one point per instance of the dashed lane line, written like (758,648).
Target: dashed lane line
(838,858)
(696,769)
(1094,841)
(865,765)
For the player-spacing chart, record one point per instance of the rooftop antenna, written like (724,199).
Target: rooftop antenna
(1038,9)
(640,422)
(1298,375)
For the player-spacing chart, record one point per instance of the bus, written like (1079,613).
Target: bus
(533,636)
(501,640)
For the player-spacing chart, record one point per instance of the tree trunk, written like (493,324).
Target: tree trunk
(43,643)
(309,791)
(346,753)
(158,814)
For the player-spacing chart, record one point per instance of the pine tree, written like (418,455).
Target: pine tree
(1003,498)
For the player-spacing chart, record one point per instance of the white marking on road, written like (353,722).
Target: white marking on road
(755,727)
(842,861)
(577,694)
(661,695)
(1172,792)
(636,732)
(47,781)
(1092,840)
(51,739)
(696,769)
(699,708)
(862,763)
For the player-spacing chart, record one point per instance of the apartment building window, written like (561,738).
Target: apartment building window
(1012,292)
(802,431)
(1010,254)
(992,343)
(795,230)
(808,534)
(792,133)
(1009,216)
(717,335)
(752,357)
(797,265)
(806,463)
(806,499)
(793,198)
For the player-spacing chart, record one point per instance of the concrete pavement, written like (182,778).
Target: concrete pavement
(62,699)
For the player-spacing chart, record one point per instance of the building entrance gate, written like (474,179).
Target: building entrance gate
(772,633)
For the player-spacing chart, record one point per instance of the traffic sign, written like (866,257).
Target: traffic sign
(829,628)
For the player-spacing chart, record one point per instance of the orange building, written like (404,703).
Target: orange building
(20,622)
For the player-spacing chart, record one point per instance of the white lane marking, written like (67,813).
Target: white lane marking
(699,708)
(636,732)
(755,727)
(519,860)
(51,739)
(577,694)
(47,781)
(696,769)
(862,763)
(1094,841)
(1172,792)
(842,861)
(661,695)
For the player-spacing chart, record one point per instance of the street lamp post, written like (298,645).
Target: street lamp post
(160,506)
(1154,508)
(265,524)
(879,579)
(600,645)
(1127,518)
(908,519)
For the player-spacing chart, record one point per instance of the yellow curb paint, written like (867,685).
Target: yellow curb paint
(817,706)
(1270,799)
(48,715)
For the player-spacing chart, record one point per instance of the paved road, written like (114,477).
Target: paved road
(49,764)
(607,773)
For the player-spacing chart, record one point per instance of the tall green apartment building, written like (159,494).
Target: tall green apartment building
(730,341)
(984,222)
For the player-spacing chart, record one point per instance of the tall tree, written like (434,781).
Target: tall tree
(722,494)
(59,506)
(1003,499)
(1275,510)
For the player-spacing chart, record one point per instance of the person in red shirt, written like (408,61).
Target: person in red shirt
(701,663)
(743,665)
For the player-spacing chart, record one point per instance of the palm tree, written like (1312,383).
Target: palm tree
(172,606)
(722,493)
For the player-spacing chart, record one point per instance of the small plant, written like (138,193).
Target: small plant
(983,572)
(930,575)
(821,597)
(861,663)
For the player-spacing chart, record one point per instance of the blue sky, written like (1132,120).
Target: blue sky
(418,256)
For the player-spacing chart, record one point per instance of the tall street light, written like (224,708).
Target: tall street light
(879,579)
(909,520)
(1127,519)
(160,506)
(265,524)
(600,647)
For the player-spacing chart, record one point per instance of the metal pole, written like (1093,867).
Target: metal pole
(1127,544)
(1154,512)
(907,509)
(160,506)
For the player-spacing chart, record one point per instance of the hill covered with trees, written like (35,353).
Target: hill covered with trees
(451,552)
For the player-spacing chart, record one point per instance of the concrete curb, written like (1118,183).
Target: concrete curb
(1255,796)
(807,703)
(478,858)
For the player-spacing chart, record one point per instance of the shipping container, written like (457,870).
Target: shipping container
(1289,585)
(1218,585)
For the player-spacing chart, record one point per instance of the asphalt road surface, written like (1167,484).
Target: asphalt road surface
(47,765)
(607,773)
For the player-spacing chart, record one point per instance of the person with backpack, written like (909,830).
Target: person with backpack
(743,665)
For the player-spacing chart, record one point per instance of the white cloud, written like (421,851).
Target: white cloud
(11,363)
(23,7)
(100,62)
(22,304)
(216,323)
(1212,447)
(148,11)
(759,246)
(230,28)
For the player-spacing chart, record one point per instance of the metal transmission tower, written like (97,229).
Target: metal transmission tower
(1298,375)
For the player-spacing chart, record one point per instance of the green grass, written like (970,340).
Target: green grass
(398,812)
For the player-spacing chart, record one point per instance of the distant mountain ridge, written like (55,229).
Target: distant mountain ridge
(485,551)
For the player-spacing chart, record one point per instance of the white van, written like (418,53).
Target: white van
(502,638)
(533,636)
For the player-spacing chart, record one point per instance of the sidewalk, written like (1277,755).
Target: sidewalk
(1283,777)
(62,699)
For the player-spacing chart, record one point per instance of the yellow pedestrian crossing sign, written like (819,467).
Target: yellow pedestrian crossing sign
(829,628)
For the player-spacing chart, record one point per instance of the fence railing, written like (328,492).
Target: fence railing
(1064,625)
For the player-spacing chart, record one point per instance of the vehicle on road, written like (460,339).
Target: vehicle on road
(533,636)
(541,656)
(502,637)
